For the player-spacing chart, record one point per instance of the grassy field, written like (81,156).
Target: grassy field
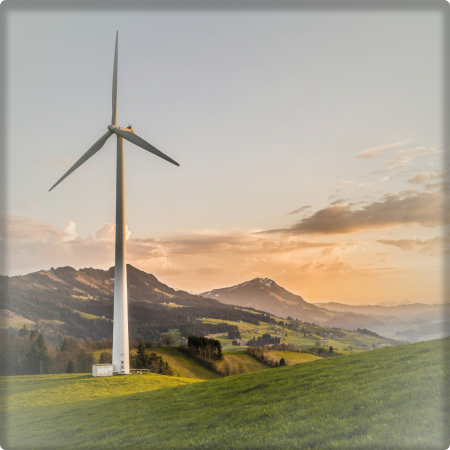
(248,331)
(187,367)
(390,398)
(43,390)
(10,319)
(249,364)
(183,365)
(88,316)
(292,358)
(241,360)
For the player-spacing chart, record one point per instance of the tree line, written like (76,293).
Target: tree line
(265,339)
(265,356)
(28,353)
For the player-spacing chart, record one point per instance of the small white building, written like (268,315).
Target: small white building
(102,370)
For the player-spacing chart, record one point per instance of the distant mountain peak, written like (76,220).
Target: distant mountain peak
(266,281)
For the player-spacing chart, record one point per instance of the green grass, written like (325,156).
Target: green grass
(235,348)
(86,315)
(292,358)
(6,324)
(300,342)
(11,319)
(183,365)
(391,398)
(242,361)
(176,335)
(43,390)
(165,293)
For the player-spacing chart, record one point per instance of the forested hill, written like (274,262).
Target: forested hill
(80,303)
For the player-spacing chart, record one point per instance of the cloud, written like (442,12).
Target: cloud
(35,244)
(405,157)
(250,244)
(432,246)
(302,209)
(344,182)
(385,178)
(401,209)
(339,201)
(404,244)
(338,268)
(29,228)
(426,176)
(108,232)
(327,251)
(377,151)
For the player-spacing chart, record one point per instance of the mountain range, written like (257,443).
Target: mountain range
(67,301)
(413,322)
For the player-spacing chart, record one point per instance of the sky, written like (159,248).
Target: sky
(310,146)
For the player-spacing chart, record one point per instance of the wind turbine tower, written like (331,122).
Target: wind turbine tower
(121,357)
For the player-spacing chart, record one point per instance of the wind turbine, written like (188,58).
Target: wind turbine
(120,358)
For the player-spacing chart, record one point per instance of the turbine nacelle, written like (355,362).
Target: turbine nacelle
(129,128)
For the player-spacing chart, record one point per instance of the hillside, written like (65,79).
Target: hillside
(79,303)
(388,398)
(264,294)
(304,336)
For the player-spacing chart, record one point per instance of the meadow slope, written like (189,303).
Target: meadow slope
(390,398)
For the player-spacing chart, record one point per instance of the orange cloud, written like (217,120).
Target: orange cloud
(426,176)
(432,246)
(401,209)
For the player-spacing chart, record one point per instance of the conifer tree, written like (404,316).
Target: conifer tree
(38,353)
(282,362)
(65,346)
(23,331)
(70,367)
(141,359)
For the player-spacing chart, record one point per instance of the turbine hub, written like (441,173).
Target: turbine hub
(128,128)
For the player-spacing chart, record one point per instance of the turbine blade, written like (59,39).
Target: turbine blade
(129,136)
(114,85)
(92,151)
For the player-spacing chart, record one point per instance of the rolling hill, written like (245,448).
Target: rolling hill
(389,398)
